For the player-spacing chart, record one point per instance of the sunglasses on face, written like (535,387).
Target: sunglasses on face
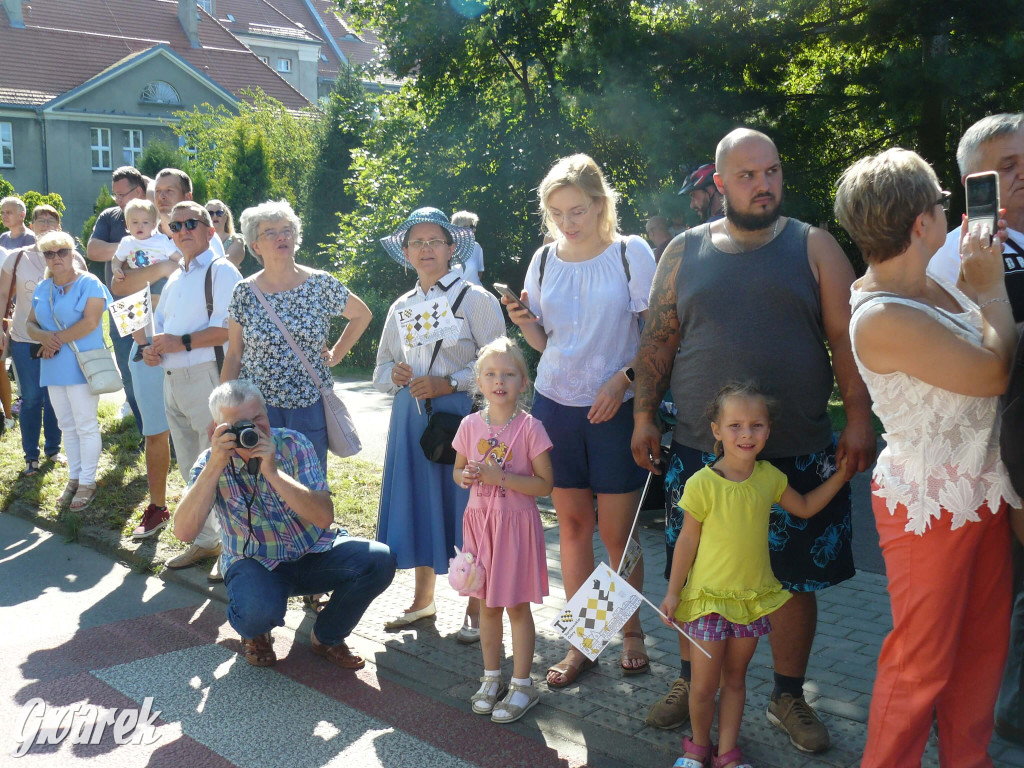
(62,253)
(189,224)
(216,214)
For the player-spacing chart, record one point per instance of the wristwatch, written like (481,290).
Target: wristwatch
(629,373)
(453,384)
(186,339)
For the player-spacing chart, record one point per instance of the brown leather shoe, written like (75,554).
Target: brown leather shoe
(339,655)
(259,651)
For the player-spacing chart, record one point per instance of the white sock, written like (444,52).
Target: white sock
(518,699)
(489,689)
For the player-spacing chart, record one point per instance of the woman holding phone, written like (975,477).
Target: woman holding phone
(588,292)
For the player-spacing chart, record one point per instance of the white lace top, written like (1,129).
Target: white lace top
(942,449)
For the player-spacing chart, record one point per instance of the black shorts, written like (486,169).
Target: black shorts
(806,555)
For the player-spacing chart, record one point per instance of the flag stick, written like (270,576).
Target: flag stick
(636,517)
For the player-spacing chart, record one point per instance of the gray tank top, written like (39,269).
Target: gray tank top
(753,315)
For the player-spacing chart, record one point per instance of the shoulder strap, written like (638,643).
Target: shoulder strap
(543,264)
(289,339)
(9,309)
(888,294)
(218,351)
(622,254)
(437,344)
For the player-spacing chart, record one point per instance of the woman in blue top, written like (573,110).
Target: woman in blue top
(67,306)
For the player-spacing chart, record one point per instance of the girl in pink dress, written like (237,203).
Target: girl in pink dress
(503,458)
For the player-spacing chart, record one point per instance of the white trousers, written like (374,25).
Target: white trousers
(75,407)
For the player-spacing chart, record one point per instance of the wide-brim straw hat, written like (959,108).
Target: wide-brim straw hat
(462,237)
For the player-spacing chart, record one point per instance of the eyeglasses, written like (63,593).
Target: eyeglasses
(272,234)
(216,214)
(189,224)
(943,200)
(46,220)
(571,217)
(63,253)
(119,197)
(434,245)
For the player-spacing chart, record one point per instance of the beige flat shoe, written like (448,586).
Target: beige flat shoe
(83,497)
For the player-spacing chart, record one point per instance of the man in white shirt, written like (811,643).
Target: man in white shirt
(473,269)
(994,143)
(188,333)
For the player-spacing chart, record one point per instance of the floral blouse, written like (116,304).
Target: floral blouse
(267,360)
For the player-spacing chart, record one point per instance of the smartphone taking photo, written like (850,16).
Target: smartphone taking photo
(505,291)
(983,199)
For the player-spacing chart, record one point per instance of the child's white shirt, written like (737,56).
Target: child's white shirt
(133,252)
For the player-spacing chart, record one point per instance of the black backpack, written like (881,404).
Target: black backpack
(1011,435)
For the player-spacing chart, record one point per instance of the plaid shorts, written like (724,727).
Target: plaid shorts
(715,626)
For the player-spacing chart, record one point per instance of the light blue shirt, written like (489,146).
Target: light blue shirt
(69,307)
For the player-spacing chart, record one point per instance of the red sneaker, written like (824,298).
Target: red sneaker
(153,519)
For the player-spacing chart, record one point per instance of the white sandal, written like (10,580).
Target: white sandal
(514,711)
(486,700)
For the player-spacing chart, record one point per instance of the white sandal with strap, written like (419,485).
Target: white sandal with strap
(483,702)
(513,712)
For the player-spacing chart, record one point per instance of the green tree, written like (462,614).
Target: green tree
(159,155)
(246,176)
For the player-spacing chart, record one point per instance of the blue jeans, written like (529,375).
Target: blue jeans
(122,350)
(36,410)
(309,420)
(356,570)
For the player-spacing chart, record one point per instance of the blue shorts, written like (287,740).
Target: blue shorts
(148,382)
(585,455)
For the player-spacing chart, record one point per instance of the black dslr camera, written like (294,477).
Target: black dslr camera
(245,434)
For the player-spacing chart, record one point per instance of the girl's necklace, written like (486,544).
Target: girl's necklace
(775,231)
(487,421)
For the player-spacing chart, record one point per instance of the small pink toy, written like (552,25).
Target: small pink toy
(465,574)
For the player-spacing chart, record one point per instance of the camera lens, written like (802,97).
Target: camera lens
(245,434)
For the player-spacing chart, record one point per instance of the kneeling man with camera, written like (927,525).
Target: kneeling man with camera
(270,495)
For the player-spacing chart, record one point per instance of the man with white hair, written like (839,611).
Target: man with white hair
(473,269)
(270,494)
(191,327)
(12,214)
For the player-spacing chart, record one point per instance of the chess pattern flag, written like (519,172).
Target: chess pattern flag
(132,312)
(596,613)
(426,322)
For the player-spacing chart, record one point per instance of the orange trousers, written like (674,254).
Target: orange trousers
(950,593)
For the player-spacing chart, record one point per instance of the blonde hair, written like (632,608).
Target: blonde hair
(502,345)
(582,172)
(142,204)
(55,240)
(879,198)
(229,217)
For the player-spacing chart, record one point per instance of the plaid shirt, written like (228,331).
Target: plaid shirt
(278,534)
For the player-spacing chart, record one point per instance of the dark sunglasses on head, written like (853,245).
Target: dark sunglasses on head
(216,214)
(943,200)
(189,224)
(51,255)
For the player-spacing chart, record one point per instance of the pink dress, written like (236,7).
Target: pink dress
(504,532)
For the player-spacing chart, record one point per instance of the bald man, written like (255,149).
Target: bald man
(756,295)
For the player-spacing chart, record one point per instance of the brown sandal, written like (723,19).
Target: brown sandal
(339,655)
(627,656)
(259,651)
(570,672)
(317,602)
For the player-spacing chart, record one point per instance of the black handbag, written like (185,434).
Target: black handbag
(436,440)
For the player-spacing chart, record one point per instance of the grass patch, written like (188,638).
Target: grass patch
(123,492)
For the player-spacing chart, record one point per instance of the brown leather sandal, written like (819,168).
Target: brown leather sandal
(339,655)
(259,651)
(317,602)
(570,672)
(634,656)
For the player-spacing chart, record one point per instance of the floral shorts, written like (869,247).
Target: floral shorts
(715,626)
(806,555)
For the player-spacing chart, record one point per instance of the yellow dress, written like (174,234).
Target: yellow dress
(732,573)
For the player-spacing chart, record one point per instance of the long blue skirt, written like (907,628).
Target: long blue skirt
(420,516)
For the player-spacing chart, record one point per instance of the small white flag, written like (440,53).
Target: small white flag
(630,558)
(426,322)
(595,614)
(132,312)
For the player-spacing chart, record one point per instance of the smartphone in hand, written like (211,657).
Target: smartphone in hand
(983,199)
(505,291)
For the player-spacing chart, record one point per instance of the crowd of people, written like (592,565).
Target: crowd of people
(744,322)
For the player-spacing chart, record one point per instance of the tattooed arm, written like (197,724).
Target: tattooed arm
(658,347)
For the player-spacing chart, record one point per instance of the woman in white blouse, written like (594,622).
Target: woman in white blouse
(421,508)
(589,290)
(935,362)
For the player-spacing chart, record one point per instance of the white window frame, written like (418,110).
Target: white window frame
(265,60)
(284,66)
(6,145)
(100,147)
(131,150)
